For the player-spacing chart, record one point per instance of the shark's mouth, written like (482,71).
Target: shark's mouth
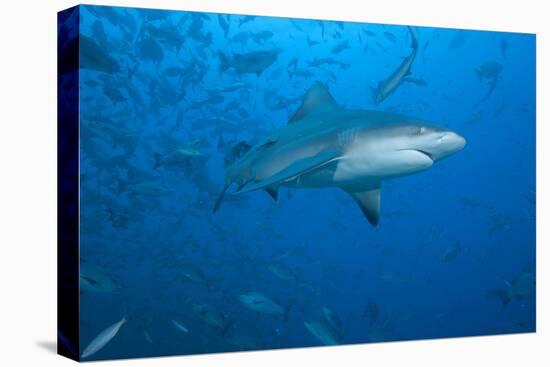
(425,153)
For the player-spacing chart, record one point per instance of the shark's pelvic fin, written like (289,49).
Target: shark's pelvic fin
(317,97)
(296,169)
(369,202)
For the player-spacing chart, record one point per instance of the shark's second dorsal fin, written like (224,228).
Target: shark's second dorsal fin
(317,97)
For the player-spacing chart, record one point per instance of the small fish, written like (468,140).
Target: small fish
(323,332)
(180,327)
(260,303)
(147,337)
(328,61)
(489,70)
(181,155)
(252,62)
(417,81)
(103,338)
(339,47)
(452,252)
(332,319)
(521,288)
(310,42)
(223,24)
(390,36)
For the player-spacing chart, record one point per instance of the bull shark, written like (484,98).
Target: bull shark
(325,145)
(389,85)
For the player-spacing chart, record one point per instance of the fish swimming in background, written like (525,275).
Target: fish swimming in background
(260,37)
(248,63)
(322,331)
(328,330)
(103,338)
(489,70)
(232,152)
(324,145)
(332,319)
(452,252)
(389,85)
(282,271)
(179,326)
(211,316)
(521,288)
(417,81)
(224,24)
(181,155)
(192,273)
(390,36)
(147,337)
(320,61)
(261,303)
(339,47)
(94,279)
(93,57)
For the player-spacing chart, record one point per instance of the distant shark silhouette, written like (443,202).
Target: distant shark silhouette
(324,145)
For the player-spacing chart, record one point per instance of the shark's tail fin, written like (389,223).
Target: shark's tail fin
(224,61)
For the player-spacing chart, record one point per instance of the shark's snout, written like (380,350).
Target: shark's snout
(446,144)
(453,142)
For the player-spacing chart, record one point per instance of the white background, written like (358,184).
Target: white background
(28,182)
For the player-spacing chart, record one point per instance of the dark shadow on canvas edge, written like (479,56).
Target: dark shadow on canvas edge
(47,345)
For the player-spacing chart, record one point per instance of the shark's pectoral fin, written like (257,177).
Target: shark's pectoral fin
(369,202)
(273,192)
(296,169)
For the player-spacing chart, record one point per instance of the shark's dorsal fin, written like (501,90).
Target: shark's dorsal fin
(317,97)
(369,202)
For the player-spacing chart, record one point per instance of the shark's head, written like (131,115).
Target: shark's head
(392,150)
(434,142)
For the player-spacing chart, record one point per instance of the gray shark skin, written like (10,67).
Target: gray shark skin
(324,145)
(389,85)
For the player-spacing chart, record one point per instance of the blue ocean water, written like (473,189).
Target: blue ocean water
(165,97)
